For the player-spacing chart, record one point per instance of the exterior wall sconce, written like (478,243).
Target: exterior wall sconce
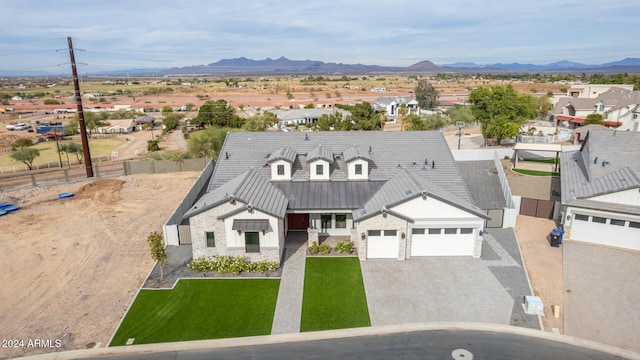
(264,232)
(239,232)
(363,236)
(403,235)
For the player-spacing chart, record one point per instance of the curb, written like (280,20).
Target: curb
(333,334)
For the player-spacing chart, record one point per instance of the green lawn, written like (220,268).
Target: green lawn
(546,161)
(536,172)
(201,309)
(334,296)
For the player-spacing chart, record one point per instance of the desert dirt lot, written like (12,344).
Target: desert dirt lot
(71,267)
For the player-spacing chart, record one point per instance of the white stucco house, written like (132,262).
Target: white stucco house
(391,104)
(307,117)
(601,190)
(120,126)
(395,194)
(619,106)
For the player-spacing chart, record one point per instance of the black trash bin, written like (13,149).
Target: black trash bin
(555,237)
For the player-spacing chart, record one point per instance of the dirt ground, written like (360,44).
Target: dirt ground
(544,264)
(71,267)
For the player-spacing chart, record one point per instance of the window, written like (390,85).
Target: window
(211,239)
(252,242)
(319,170)
(450,231)
(435,231)
(581,217)
(466,231)
(374,232)
(358,169)
(633,224)
(617,222)
(600,220)
(417,231)
(341,221)
(325,221)
(390,233)
(280,170)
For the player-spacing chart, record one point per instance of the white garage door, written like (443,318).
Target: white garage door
(606,231)
(382,244)
(437,241)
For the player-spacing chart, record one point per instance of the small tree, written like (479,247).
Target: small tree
(158,253)
(594,119)
(25,155)
(76,149)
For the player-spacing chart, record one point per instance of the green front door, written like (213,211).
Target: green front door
(252,242)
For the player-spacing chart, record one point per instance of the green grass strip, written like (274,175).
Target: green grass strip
(536,172)
(201,309)
(334,296)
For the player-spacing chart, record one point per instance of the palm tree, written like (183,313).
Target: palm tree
(402,112)
(383,117)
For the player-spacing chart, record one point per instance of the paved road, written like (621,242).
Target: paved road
(433,344)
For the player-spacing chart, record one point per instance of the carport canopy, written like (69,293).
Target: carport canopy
(557,148)
(250,225)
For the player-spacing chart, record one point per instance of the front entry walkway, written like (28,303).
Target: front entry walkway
(286,319)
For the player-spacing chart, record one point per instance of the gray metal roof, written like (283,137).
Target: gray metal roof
(583,174)
(284,153)
(320,152)
(406,185)
(389,152)
(483,182)
(424,154)
(348,195)
(354,152)
(251,225)
(249,188)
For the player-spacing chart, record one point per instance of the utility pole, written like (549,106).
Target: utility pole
(460,124)
(83,129)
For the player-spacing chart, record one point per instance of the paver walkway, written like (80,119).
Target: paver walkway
(286,319)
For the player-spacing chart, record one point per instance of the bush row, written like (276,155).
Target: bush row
(226,264)
(345,246)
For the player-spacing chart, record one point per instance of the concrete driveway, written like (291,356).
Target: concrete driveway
(601,294)
(434,289)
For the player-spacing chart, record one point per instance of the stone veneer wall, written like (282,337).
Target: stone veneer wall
(380,222)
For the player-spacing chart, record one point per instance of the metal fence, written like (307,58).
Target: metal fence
(101,169)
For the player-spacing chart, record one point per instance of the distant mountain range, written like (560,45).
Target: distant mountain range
(282,65)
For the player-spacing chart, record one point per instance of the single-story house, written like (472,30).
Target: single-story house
(124,126)
(601,190)
(307,117)
(394,194)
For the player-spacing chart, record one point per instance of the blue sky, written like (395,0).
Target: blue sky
(130,34)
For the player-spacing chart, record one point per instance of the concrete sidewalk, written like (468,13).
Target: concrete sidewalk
(286,319)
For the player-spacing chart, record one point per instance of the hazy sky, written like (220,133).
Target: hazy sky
(129,34)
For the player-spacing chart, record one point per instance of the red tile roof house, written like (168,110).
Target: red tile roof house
(395,194)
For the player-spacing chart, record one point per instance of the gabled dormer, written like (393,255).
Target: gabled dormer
(281,162)
(357,163)
(319,160)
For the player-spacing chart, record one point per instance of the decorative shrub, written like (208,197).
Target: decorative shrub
(344,246)
(315,248)
(231,265)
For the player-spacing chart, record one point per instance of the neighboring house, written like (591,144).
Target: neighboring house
(391,104)
(141,121)
(396,195)
(118,127)
(592,91)
(307,117)
(601,190)
(619,106)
